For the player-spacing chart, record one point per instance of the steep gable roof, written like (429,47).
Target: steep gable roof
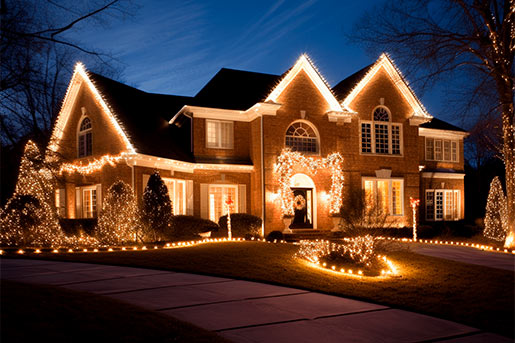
(345,86)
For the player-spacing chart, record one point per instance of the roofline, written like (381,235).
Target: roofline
(425,131)
(259,109)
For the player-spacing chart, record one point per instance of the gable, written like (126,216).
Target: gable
(304,66)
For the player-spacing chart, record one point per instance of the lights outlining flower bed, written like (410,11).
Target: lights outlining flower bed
(356,256)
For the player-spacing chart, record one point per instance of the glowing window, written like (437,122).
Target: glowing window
(219,134)
(302,137)
(218,196)
(85,138)
(177,193)
(384,196)
(89,202)
(443,204)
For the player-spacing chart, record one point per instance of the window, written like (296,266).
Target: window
(441,150)
(384,195)
(301,137)
(85,142)
(380,136)
(443,204)
(89,202)
(218,196)
(177,193)
(219,134)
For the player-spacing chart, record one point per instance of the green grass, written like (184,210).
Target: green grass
(474,295)
(35,313)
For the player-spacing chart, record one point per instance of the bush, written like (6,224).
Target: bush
(242,225)
(275,235)
(156,209)
(76,226)
(189,227)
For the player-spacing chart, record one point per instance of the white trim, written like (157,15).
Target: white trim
(373,138)
(442,175)
(317,133)
(83,133)
(456,201)
(395,75)
(444,134)
(451,141)
(304,63)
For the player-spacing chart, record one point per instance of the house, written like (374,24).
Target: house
(224,143)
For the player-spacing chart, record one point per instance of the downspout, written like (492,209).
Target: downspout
(262,179)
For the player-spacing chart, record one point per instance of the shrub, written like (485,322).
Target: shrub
(76,226)
(242,225)
(156,211)
(275,235)
(189,227)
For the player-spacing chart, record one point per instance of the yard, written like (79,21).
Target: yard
(474,295)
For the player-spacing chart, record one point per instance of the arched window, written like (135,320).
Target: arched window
(301,137)
(381,136)
(85,138)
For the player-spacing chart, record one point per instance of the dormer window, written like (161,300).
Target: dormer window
(219,134)
(302,137)
(381,136)
(85,139)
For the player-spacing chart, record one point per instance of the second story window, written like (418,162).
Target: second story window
(445,150)
(381,136)
(302,137)
(85,139)
(219,134)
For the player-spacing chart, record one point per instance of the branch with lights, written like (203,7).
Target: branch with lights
(92,166)
(288,159)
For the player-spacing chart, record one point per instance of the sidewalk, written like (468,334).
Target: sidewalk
(244,311)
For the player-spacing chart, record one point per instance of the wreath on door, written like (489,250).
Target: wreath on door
(299,202)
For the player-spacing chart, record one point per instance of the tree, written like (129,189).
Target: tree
(156,212)
(118,220)
(30,218)
(496,225)
(469,41)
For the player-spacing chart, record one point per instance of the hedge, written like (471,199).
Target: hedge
(189,227)
(242,225)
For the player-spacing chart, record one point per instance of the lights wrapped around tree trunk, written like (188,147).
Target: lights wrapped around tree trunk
(414,204)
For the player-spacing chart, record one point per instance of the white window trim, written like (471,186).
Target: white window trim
(315,130)
(390,197)
(229,185)
(83,190)
(373,137)
(444,191)
(219,135)
(83,133)
(175,194)
(443,153)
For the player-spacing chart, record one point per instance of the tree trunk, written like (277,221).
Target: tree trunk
(509,165)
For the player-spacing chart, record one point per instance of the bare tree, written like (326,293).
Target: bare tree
(441,38)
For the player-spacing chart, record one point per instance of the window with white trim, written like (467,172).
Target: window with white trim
(381,136)
(301,137)
(443,204)
(219,134)
(89,202)
(177,193)
(445,150)
(218,196)
(85,138)
(384,195)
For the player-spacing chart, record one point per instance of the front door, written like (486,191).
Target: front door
(303,205)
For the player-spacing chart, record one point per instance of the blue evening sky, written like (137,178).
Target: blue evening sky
(175,47)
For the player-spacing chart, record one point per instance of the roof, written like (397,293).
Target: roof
(236,89)
(144,116)
(441,125)
(345,86)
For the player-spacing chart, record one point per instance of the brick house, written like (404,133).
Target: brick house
(224,142)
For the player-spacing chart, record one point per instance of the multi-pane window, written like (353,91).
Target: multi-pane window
(89,202)
(85,139)
(441,150)
(384,196)
(218,198)
(442,204)
(380,136)
(177,193)
(219,134)
(301,137)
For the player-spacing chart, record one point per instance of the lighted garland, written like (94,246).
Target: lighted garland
(92,166)
(496,218)
(288,159)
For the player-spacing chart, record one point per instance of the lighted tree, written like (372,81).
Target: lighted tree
(118,220)
(29,217)
(156,211)
(496,224)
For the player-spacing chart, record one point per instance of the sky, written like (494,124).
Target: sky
(175,47)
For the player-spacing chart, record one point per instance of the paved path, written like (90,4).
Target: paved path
(467,255)
(245,311)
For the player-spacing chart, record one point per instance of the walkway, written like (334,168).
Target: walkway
(244,311)
(467,255)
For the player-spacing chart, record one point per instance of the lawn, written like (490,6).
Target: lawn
(474,295)
(34,313)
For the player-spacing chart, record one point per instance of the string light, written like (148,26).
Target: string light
(414,204)
(92,166)
(496,217)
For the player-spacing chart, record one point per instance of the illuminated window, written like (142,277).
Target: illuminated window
(177,193)
(441,150)
(89,202)
(443,204)
(218,196)
(385,196)
(85,138)
(301,137)
(381,136)
(219,134)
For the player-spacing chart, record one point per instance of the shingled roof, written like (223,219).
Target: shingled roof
(345,86)
(438,124)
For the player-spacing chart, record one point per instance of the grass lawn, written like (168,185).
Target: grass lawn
(474,295)
(34,313)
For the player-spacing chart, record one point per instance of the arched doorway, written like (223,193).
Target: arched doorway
(304,202)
